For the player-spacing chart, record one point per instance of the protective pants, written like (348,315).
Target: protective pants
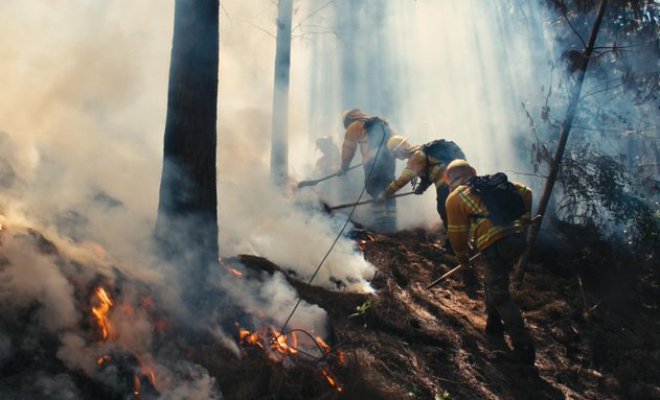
(384,213)
(499,260)
(442,192)
(384,216)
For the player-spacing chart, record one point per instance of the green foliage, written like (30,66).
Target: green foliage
(609,177)
(599,189)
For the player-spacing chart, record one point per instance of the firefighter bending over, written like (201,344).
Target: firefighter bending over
(500,244)
(370,134)
(426,162)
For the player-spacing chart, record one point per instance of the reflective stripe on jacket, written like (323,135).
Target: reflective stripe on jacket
(466,221)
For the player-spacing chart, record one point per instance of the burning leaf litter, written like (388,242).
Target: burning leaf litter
(296,347)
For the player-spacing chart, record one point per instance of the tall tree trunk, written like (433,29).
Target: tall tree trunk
(563,139)
(279,152)
(187,227)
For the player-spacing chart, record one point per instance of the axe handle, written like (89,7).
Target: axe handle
(453,271)
(534,219)
(315,181)
(359,203)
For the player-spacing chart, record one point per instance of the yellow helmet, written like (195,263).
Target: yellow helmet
(458,169)
(352,115)
(394,142)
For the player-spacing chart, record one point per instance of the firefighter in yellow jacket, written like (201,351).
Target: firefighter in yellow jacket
(500,247)
(370,134)
(420,164)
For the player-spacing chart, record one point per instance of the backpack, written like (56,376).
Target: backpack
(502,199)
(444,150)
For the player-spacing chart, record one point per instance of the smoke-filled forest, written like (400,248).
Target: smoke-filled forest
(330,199)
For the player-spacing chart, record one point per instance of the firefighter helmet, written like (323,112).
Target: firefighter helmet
(395,142)
(352,115)
(458,169)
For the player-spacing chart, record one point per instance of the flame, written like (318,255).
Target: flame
(103,359)
(331,380)
(323,344)
(235,272)
(294,343)
(280,343)
(284,348)
(101,312)
(137,385)
(149,372)
(252,339)
(152,377)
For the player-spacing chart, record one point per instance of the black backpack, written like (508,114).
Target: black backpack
(444,150)
(502,199)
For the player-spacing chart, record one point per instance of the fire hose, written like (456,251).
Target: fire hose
(313,182)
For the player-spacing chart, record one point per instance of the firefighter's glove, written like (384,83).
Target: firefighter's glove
(419,189)
(421,186)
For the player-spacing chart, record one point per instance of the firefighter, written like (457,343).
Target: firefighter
(420,165)
(370,134)
(327,163)
(500,248)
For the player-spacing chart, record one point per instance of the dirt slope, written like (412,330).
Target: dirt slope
(593,312)
(407,342)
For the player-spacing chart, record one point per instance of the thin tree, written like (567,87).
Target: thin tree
(187,227)
(563,139)
(279,152)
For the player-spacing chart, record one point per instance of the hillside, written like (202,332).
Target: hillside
(594,340)
(597,337)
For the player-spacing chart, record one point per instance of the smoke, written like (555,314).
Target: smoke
(19,287)
(452,70)
(82,118)
(82,115)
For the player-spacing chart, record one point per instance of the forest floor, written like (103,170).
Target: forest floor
(593,316)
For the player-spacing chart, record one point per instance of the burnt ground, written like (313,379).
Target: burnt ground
(593,314)
(592,309)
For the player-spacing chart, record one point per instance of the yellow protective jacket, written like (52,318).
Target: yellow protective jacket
(418,165)
(356,134)
(465,215)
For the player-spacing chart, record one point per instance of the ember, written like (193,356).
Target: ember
(331,381)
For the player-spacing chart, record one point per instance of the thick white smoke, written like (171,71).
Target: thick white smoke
(82,112)
(434,69)
(82,115)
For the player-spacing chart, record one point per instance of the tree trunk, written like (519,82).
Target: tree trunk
(280,125)
(186,227)
(565,130)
